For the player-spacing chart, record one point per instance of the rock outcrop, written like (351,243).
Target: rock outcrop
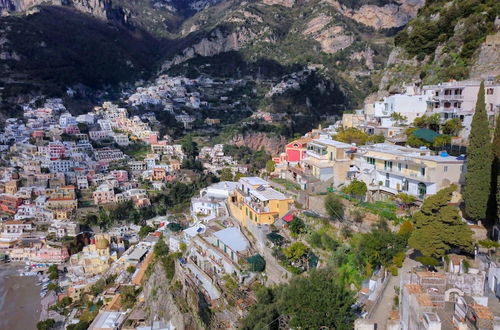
(392,15)
(272,144)
(332,39)
(286,3)
(215,43)
(160,303)
(487,64)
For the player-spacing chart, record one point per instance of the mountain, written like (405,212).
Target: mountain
(100,43)
(47,46)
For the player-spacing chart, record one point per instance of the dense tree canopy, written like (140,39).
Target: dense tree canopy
(317,301)
(439,227)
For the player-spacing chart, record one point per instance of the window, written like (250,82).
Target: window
(422,171)
(400,166)
(387,164)
(490,91)
(446,168)
(331,155)
(422,190)
(370,160)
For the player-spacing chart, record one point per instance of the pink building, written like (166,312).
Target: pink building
(56,150)
(72,130)
(120,175)
(103,196)
(153,139)
(51,255)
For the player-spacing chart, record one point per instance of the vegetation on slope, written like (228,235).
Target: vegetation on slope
(445,36)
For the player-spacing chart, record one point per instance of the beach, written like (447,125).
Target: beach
(19,299)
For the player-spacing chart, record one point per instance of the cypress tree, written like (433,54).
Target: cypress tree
(494,207)
(479,157)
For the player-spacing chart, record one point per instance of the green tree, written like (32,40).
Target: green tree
(53,272)
(270,166)
(398,118)
(319,301)
(406,199)
(356,188)
(297,226)
(52,287)
(46,324)
(145,230)
(440,141)
(226,174)
(494,200)
(257,263)
(189,147)
(334,207)
(452,126)
(479,159)
(351,135)
(130,269)
(161,248)
(439,227)
(377,248)
(295,251)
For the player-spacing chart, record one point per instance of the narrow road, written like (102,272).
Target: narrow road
(385,305)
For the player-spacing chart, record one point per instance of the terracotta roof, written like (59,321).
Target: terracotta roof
(394,315)
(482,312)
(301,140)
(424,299)
(413,288)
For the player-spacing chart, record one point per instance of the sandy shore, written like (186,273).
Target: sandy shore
(19,299)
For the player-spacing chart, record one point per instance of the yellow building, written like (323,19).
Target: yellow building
(95,258)
(62,203)
(256,202)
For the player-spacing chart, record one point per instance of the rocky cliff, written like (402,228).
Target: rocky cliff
(160,303)
(391,15)
(272,144)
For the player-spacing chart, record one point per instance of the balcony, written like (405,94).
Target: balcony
(450,97)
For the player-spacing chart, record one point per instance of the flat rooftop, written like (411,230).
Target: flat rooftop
(233,238)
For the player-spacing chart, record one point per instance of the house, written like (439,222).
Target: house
(108,320)
(328,159)
(296,150)
(408,106)
(104,194)
(220,252)
(389,169)
(9,204)
(457,99)
(255,202)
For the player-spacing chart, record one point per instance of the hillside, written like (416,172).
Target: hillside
(447,40)
(103,43)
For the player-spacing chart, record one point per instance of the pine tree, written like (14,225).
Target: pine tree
(479,158)
(439,227)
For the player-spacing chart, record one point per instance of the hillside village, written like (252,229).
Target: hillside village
(126,227)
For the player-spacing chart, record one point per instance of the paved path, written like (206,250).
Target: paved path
(385,305)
